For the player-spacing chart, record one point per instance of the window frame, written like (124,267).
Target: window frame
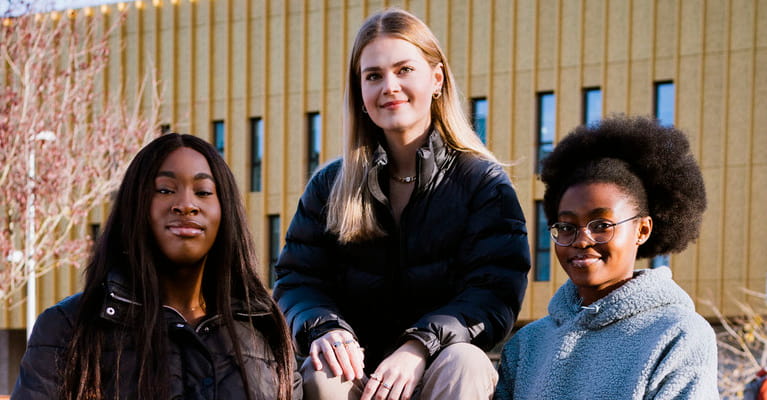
(274,237)
(220,147)
(482,133)
(543,245)
(586,92)
(539,122)
(657,93)
(313,142)
(256,153)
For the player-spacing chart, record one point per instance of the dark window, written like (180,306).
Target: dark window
(95,230)
(664,102)
(164,128)
(274,246)
(592,105)
(479,117)
(314,121)
(256,152)
(546,122)
(664,112)
(542,245)
(218,136)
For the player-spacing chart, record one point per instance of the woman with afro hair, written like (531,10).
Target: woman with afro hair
(623,189)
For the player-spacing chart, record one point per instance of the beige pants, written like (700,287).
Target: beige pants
(460,371)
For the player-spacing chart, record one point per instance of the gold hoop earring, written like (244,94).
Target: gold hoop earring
(437,94)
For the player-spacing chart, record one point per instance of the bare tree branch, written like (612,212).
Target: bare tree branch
(49,67)
(742,343)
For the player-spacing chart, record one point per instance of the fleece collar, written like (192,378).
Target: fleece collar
(648,289)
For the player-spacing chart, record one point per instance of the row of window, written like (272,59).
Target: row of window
(546,135)
(592,112)
(546,126)
(314,140)
(314,123)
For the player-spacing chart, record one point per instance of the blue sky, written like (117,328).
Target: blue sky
(64,4)
(52,4)
(81,3)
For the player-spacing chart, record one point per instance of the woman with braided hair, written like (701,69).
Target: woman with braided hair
(623,189)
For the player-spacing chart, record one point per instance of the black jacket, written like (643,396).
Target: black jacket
(201,358)
(455,270)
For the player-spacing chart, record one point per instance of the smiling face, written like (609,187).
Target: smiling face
(599,268)
(185,212)
(397,85)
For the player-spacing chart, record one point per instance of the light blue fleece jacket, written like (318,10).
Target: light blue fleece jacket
(642,341)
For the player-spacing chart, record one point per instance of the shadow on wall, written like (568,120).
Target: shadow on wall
(13,342)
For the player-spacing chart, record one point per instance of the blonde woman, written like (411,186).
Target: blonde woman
(413,246)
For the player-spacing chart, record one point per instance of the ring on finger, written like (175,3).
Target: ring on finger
(386,385)
(375,377)
(337,344)
(348,342)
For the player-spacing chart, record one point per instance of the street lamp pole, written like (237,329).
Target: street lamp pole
(31,231)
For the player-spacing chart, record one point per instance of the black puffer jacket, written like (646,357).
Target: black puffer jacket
(201,358)
(454,271)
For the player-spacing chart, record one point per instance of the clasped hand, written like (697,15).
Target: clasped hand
(395,378)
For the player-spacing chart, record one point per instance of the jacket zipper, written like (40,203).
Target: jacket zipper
(203,324)
(402,238)
(123,299)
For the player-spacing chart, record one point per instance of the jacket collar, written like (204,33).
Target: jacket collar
(119,299)
(431,158)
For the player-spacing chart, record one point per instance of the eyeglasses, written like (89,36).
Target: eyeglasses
(598,230)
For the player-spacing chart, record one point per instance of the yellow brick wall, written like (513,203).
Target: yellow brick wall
(236,59)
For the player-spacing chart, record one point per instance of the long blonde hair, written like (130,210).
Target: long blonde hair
(350,210)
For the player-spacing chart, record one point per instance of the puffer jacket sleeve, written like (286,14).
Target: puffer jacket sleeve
(303,288)
(39,376)
(493,261)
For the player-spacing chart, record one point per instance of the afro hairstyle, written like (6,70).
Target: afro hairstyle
(652,163)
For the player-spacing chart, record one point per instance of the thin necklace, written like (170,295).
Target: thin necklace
(201,305)
(404,179)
